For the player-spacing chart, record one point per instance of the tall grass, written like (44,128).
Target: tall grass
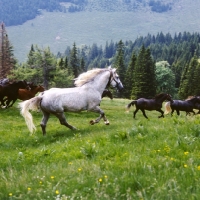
(130,159)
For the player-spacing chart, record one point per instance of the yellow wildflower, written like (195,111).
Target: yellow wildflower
(100,180)
(57,192)
(79,169)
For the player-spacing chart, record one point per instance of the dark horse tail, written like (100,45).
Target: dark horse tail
(131,104)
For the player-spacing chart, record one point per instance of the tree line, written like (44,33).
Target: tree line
(147,66)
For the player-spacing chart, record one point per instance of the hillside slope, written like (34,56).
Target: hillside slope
(59,30)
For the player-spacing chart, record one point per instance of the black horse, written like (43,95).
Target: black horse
(150,104)
(9,93)
(196,106)
(180,105)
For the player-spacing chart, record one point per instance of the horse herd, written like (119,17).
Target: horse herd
(187,105)
(10,92)
(90,88)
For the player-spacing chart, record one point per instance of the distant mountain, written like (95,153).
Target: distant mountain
(19,11)
(95,21)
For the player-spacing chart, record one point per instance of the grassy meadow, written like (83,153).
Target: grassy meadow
(129,159)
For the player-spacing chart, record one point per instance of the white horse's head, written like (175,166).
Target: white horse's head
(114,80)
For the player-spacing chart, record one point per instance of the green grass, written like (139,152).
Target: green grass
(129,159)
(98,27)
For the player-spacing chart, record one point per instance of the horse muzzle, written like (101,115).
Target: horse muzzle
(120,86)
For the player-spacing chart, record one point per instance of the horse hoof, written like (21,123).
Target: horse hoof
(74,128)
(92,122)
(107,123)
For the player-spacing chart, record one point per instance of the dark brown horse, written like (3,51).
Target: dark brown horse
(180,105)
(9,93)
(24,94)
(107,93)
(150,104)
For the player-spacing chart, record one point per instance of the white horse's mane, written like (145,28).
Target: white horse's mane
(88,76)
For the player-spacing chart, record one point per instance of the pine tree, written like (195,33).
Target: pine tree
(82,65)
(41,65)
(196,85)
(129,77)
(7,60)
(190,79)
(182,93)
(31,56)
(65,63)
(144,75)
(61,63)
(74,62)
(119,63)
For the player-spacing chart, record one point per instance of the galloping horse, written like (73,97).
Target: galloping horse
(179,105)
(85,96)
(10,91)
(24,94)
(196,106)
(150,104)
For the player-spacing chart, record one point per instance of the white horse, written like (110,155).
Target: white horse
(85,96)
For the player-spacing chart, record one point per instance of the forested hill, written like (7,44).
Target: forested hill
(177,50)
(17,12)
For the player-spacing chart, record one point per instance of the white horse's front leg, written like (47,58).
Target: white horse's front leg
(102,115)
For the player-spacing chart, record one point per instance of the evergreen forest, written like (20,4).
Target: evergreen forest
(172,57)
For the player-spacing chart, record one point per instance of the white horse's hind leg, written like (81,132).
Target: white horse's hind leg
(44,122)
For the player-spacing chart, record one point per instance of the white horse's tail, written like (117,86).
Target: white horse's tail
(25,106)
(167,108)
